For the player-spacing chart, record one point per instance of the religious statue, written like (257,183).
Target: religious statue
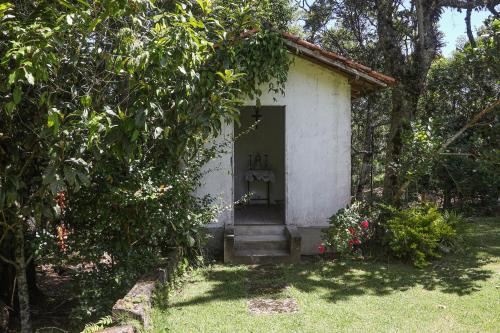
(257,162)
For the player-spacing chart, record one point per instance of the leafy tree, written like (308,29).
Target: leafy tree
(94,91)
(459,89)
(400,38)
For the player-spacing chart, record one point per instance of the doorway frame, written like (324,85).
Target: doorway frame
(285,163)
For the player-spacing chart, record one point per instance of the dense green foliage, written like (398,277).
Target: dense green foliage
(105,109)
(466,175)
(420,233)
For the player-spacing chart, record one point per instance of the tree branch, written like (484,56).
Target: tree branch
(491,8)
(8,261)
(470,35)
(448,142)
(464,4)
(471,123)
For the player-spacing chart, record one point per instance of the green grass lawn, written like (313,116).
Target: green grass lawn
(460,293)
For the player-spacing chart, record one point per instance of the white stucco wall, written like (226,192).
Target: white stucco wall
(218,178)
(317,146)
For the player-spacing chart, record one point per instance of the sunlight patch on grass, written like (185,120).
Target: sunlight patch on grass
(460,293)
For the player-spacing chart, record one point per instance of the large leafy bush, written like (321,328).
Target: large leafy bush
(420,233)
(123,226)
(104,102)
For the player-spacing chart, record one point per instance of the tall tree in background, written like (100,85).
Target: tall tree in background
(407,41)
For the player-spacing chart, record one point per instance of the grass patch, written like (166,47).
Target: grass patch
(460,293)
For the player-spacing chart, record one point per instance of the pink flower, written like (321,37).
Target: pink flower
(321,249)
(365,224)
(352,231)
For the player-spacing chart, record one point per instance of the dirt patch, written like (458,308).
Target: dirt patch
(266,286)
(53,310)
(272,306)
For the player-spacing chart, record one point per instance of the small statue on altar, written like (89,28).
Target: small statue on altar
(257,163)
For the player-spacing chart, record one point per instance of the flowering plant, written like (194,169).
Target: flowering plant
(348,230)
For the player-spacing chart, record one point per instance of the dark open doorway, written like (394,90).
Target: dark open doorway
(259,166)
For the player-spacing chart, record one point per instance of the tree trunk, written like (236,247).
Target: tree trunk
(394,147)
(394,65)
(410,82)
(22,281)
(366,162)
(8,276)
(4,317)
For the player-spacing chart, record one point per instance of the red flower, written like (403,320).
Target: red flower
(60,200)
(356,241)
(365,224)
(351,242)
(321,249)
(352,231)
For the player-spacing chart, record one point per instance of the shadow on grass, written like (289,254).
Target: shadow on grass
(340,280)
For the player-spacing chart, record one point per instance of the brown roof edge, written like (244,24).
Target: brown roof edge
(338,62)
(363,78)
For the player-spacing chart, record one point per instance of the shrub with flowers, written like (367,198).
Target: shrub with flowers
(348,230)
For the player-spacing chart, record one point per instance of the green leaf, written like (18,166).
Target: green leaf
(135,135)
(53,119)
(201,3)
(17,94)
(94,24)
(86,101)
(11,198)
(9,107)
(12,77)
(84,178)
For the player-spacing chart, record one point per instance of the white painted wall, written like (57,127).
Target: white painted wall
(317,146)
(218,178)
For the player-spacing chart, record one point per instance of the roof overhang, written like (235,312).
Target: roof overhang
(362,79)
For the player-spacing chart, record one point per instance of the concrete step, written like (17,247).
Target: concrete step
(261,253)
(253,257)
(264,229)
(261,242)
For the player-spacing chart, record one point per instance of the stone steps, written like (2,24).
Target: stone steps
(254,257)
(259,229)
(261,244)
